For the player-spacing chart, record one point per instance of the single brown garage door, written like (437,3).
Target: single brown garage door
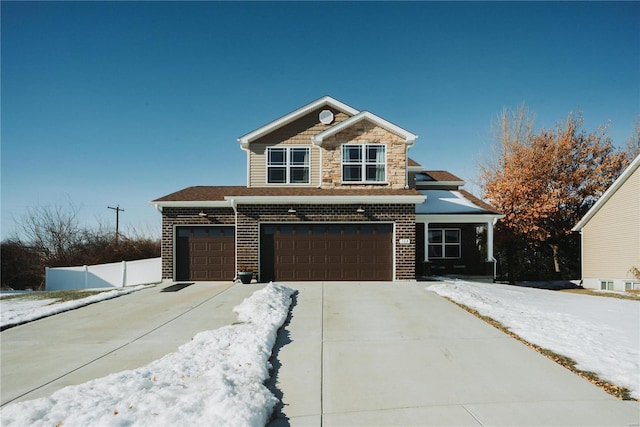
(205,253)
(291,252)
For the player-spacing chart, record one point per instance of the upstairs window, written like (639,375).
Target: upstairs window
(364,163)
(444,243)
(288,165)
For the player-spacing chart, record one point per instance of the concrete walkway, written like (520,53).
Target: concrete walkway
(127,332)
(358,354)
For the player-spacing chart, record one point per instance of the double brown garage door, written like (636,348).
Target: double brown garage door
(292,252)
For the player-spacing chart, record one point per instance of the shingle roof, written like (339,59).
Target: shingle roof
(218,193)
(443,176)
(453,202)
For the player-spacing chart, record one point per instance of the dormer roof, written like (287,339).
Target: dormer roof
(328,101)
(409,137)
(438,177)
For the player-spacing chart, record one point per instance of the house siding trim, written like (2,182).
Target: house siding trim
(328,101)
(409,137)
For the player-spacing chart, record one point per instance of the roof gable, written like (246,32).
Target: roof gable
(409,137)
(626,174)
(245,140)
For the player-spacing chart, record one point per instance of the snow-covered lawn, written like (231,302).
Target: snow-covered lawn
(217,379)
(16,311)
(601,334)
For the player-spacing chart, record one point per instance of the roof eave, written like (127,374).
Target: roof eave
(409,137)
(326,200)
(464,217)
(191,203)
(626,174)
(440,183)
(245,140)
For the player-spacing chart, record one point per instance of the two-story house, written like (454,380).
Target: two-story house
(331,194)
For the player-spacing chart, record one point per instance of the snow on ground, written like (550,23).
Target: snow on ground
(601,334)
(21,310)
(216,379)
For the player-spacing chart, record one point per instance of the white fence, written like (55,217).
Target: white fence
(114,275)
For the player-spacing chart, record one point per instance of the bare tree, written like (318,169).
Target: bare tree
(53,231)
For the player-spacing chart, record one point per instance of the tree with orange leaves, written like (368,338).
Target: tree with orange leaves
(545,182)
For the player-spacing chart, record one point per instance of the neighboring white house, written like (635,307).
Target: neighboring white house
(611,235)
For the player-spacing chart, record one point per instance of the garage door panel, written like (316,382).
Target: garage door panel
(367,259)
(333,259)
(327,252)
(351,259)
(199,260)
(199,246)
(351,244)
(334,244)
(318,244)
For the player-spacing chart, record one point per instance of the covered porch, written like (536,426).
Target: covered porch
(454,236)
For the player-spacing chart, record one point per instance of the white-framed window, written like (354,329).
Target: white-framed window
(606,285)
(288,165)
(632,286)
(444,243)
(364,163)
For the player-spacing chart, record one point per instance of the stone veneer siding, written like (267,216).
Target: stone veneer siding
(250,217)
(187,216)
(364,132)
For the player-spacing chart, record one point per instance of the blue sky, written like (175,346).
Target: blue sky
(107,103)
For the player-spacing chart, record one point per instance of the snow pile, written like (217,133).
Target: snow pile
(216,379)
(601,334)
(17,311)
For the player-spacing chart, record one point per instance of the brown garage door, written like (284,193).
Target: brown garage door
(205,253)
(326,252)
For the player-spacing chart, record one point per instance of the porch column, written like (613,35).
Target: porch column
(490,241)
(426,241)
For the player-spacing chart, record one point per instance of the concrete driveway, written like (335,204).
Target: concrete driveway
(352,354)
(127,332)
(365,354)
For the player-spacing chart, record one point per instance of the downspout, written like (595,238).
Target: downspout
(235,212)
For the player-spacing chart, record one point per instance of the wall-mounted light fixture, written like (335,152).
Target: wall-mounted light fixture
(360,210)
(203,214)
(291,210)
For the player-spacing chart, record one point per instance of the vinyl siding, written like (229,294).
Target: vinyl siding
(611,239)
(297,133)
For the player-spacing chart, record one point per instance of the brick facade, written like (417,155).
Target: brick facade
(249,218)
(187,216)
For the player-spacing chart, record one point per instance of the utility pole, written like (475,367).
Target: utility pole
(118,210)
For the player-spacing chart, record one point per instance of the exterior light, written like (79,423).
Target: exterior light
(291,210)
(360,210)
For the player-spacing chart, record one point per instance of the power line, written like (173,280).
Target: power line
(118,210)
